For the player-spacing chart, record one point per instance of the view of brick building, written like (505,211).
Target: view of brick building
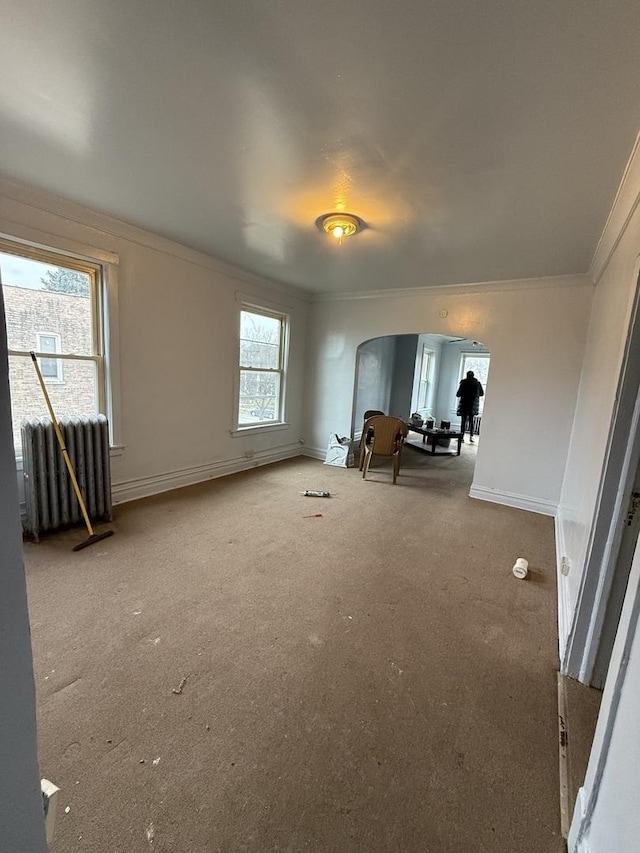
(51,322)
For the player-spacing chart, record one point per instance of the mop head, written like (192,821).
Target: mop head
(92,539)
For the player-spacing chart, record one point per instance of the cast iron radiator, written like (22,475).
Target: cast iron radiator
(477,420)
(50,501)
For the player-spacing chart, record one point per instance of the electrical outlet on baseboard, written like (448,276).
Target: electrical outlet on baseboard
(565,566)
(50,804)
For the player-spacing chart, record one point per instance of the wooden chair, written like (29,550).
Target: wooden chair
(363,436)
(384,436)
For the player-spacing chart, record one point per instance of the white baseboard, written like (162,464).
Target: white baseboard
(144,487)
(538,505)
(315,452)
(576,842)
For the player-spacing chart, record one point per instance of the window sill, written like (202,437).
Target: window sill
(252,430)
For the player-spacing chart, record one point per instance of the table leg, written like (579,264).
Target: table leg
(459,445)
(433,445)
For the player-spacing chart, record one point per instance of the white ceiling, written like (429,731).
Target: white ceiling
(479,140)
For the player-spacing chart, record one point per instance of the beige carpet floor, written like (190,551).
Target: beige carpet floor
(225,674)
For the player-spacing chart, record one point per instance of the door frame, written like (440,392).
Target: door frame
(593,627)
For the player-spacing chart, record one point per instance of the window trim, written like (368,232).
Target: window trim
(429,354)
(280,422)
(103,268)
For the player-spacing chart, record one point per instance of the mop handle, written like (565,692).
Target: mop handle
(63,448)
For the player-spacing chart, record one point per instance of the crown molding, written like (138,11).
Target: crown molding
(544,282)
(622,210)
(70,211)
(102,223)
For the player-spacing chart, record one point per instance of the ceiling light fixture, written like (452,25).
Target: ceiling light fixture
(339,225)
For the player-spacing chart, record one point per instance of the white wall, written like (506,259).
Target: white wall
(21,814)
(178,326)
(607,818)
(403,372)
(375,361)
(535,332)
(615,272)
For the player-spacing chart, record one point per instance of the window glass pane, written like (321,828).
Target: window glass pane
(41,297)
(424,373)
(255,354)
(76,395)
(47,343)
(480,366)
(259,396)
(259,341)
(49,367)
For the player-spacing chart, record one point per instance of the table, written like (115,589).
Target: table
(434,434)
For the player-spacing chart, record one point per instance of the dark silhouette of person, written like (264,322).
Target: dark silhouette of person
(469,393)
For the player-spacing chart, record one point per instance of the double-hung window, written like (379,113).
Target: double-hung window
(262,367)
(425,378)
(53,308)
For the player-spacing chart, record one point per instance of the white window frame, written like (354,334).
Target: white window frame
(279,422)
(425,376)
(59,376)
(103,269)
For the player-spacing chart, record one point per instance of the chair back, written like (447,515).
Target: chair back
(371,412)
(386,434)
(364,435)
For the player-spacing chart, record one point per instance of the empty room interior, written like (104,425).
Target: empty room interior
(259,591)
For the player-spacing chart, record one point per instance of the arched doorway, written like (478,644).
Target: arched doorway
(403,374)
